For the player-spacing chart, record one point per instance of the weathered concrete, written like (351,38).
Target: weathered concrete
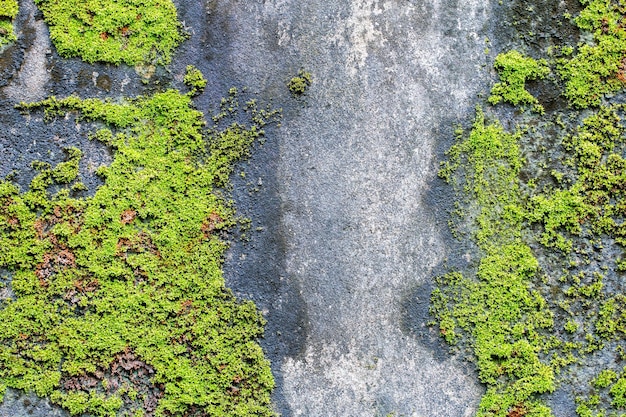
(350,234)
(355,159)
(32,76)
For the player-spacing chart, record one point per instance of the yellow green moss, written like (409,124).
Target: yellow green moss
(494,312)
(598,66)
(514,69)
(194,79)
(120,304)
(300,83)
(527,314)
(8,11)
(114,31)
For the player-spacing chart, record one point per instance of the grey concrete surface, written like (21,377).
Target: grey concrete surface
(355,160)
(359,231)
(32,76)
(350,230)
(17,404)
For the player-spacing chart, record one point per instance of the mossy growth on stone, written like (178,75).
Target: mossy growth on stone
(546,292)
(118,305)
(589,206)
(194,80)
(494,313)
(598,67)
(300,83)
(514,69)
(595,197)
(114,31)
(610,387)
(8,11)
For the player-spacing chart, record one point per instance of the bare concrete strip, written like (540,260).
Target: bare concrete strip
(356,157)
(32,76)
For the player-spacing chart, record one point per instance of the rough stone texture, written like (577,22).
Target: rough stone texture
(32,75)
(356,156)
(350,227)
(17,404)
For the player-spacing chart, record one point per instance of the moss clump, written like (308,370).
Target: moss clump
(605,378)
(514,70)
(525,314)
(494,312)
(8,8)
(114,31)
(120,304)
(8,11)
(299,84)
(194,80)
(598,67)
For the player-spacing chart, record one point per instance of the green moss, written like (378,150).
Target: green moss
(507,403)
(588,408)
(597,68)
(607,382)
(8,8)
(595,198)
(611,320)
(605,378)
(8,11)
(524,320)
(299,84)
(194,80)
(114,31)
(562,210)
(618,392)
(129,281)
(524,317)
(514,70)
(571,326)
(494,311)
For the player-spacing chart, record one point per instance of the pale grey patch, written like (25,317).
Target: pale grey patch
(19,404)
(30,81)
(356,156)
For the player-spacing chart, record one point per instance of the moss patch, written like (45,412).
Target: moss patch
(114,31)
(299,84)
(119,304)
(598,67)
(194,80)
(545,206)
(494,312)
(514,70)
(8,11)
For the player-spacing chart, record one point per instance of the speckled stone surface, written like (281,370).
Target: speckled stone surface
(348,226)
(354,163)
